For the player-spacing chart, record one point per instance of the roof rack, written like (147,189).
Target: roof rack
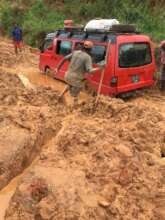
(74,28)
(77,32)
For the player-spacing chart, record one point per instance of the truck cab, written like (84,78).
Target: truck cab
(130,61)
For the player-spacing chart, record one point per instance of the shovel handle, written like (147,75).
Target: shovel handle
(100,85)
(103,73)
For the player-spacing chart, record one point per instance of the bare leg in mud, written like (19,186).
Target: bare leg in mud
(75,102)
(16,49)
(74,92)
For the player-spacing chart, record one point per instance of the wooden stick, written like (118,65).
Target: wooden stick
(100,85)
(64,91)
(102,73)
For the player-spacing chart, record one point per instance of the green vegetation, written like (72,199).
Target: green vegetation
(148,15)
(35,19)
(41,16)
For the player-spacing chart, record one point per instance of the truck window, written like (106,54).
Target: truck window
(64,34)
(79,36)
(48,44)
(134,55)
(98,53)
(64,47)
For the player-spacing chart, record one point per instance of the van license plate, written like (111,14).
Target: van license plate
(135,78)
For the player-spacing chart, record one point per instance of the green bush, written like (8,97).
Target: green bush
(7,14)
(149,16)
(36,21)
(39,20)
(38,17)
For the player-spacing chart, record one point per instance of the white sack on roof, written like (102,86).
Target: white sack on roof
(100,24)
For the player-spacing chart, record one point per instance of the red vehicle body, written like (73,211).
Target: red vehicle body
(130,59)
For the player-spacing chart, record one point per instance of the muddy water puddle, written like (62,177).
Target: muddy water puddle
(38,78)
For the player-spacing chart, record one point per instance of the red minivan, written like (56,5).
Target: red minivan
(130,58)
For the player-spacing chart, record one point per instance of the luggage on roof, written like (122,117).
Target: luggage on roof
(100,24)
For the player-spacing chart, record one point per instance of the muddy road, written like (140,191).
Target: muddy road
(57,164)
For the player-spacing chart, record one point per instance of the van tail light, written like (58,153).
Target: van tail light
(113,81)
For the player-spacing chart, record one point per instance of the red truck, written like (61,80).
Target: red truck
(130,59)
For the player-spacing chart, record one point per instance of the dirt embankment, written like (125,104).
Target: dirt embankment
(28,119)
(103,164)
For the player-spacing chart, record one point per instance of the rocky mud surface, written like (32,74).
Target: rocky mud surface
(98,162)
(27,119)
(102,164)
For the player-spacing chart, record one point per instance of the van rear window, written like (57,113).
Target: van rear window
(134,55)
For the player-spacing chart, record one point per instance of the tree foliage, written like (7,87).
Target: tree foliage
(40,16)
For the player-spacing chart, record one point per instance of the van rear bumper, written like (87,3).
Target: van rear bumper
(113,91)
(134,86)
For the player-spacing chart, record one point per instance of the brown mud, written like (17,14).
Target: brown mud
(96,162)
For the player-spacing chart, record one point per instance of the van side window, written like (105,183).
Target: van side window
(64,47)
(98,53)
(48,44)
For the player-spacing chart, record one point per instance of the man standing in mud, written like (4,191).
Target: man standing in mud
(17,38)
(81,63)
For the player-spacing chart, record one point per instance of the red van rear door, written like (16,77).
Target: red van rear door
(135,64)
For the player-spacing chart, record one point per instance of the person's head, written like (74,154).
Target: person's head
(88,46)
(15,25)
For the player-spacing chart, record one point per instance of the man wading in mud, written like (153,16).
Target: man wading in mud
(81,63)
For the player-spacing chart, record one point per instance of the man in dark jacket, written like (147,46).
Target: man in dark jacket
(17,38)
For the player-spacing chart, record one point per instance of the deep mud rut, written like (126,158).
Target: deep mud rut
(105,163)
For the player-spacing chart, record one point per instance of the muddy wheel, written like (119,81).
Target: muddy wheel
(48,72)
